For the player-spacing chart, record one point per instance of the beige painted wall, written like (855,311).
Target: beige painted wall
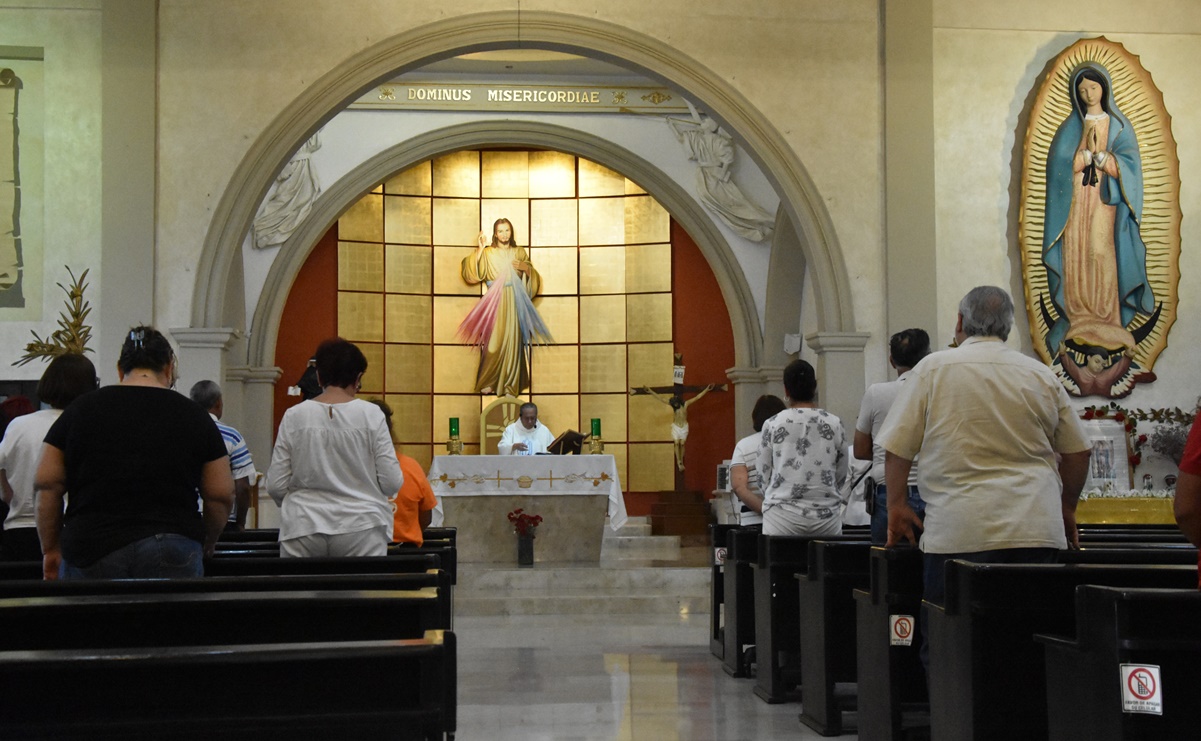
(70,36)
(985,66)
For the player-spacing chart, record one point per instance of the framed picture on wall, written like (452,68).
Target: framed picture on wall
(1109,467)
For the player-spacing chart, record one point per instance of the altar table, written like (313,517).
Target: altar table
(572,493)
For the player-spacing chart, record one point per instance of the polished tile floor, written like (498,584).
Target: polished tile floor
(579,677)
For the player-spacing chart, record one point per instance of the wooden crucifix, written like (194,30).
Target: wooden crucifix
(673,396)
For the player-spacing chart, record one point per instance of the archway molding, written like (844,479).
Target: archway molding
(575,34)
(748,340)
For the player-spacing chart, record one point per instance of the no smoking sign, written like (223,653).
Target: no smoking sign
(1141,691)
(900,630)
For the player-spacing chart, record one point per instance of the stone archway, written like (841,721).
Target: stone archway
(574,34)
(839,347)
(748,339)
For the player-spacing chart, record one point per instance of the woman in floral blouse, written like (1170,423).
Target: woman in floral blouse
(802,462)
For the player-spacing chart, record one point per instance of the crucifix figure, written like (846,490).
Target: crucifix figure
(673,396)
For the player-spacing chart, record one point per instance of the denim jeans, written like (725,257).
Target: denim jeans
(162,556)
(880,514)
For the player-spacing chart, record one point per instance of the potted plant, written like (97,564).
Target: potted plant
(524,525)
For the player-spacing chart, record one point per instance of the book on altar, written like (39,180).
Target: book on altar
(568,443)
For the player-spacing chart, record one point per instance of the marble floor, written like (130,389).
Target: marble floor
(600,678)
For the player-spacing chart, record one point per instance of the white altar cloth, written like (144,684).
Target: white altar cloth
(475,475)
(571,493)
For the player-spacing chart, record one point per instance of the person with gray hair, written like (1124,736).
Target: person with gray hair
(986,311)
(208,395)
(990,423)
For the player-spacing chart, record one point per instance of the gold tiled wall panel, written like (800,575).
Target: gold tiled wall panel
(373,379)
(409,368)
(360,267)
(457,175)
(407,269)
(651,467)
(649,418)
(361,316)
(407,220)
(602,246)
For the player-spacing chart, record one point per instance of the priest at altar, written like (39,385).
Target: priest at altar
(526,436)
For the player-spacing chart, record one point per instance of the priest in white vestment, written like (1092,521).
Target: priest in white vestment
(526,436)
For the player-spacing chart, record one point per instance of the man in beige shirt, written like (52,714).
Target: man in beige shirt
(989,422)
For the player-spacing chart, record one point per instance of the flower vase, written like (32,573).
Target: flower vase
(525,550)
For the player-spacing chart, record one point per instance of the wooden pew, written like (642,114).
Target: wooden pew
(401,689)
(738,577)
(828,633)
(20,570)
(286,583)
(214,618)
(891,679)
(986,671)
(717,591)
(1118,626)
(250,535)
(777,612)
(406,564)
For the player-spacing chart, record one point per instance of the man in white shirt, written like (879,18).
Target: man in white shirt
(989,422)
(526,436)
(905,349)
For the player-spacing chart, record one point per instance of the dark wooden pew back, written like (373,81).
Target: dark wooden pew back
(738,576)
(1121,634)
(777,611)
(828,632)
(214,618)
(378,689)
(982,646)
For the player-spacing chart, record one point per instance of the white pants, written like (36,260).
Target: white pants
(787,518)
(371,542)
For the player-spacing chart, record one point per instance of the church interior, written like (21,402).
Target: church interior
(700,192)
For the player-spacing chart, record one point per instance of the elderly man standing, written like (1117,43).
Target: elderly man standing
(989,422)
(208,395)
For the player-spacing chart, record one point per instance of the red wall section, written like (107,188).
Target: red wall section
(310,316)
(704,336)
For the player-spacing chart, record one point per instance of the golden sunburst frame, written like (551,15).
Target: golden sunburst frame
(1138,99)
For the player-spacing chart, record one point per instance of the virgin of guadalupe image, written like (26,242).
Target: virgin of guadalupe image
(1093,248)
(505,323)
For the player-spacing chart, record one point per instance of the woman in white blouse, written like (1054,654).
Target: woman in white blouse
(334,467)
(802,462)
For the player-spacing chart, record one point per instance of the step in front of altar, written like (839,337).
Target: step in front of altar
(613,589)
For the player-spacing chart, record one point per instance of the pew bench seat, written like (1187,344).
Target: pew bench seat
(389,689)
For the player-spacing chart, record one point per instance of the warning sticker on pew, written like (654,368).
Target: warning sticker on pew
(719,556)
(1141,691)
(900,630)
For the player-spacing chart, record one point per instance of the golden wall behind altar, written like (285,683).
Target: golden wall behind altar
(603,248)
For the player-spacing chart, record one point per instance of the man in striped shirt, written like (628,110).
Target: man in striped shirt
(208,395)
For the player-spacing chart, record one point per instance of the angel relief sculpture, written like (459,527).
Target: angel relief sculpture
(1100,239)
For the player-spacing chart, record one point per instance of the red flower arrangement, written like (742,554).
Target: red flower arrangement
(524,524)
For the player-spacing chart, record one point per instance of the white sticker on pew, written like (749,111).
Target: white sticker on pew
(719,556)
(1141,691)
(900,630)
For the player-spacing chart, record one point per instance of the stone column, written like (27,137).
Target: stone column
(202,353)
(747,386)
(840,373)
(257,424)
